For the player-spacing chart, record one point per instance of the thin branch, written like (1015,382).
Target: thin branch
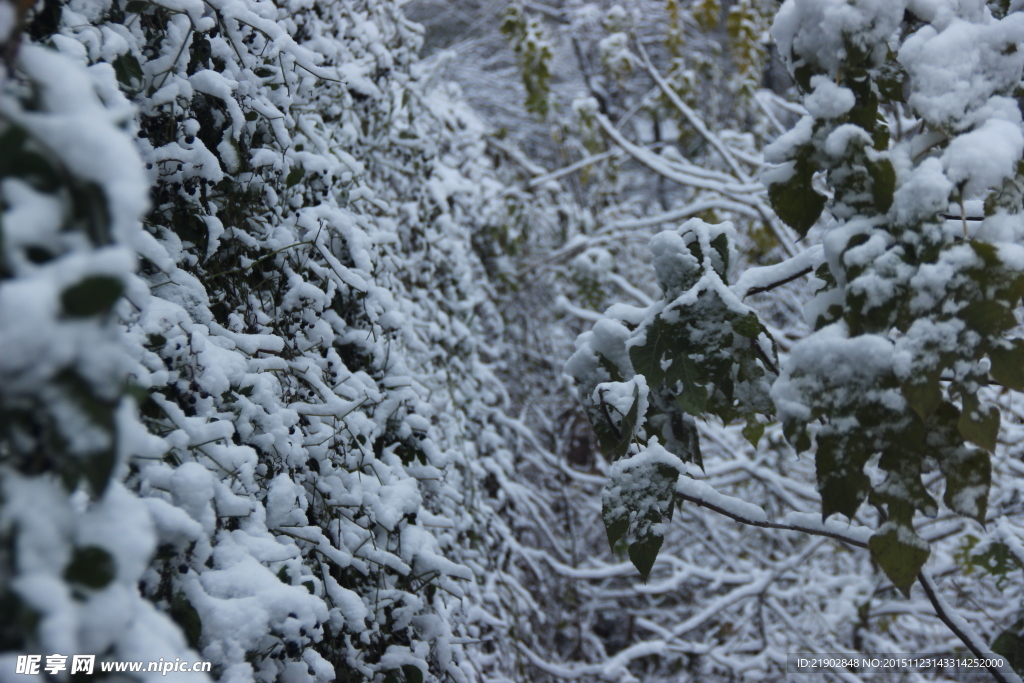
(767,288)
(582,163)
(814,530)
(747,193)
(692,117)
(960,628)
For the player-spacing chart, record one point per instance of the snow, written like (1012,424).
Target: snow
(828,100)
(701,493)
(808,31)
(923,194)
(843,137)
(982,158)
(955,70)
(619,396)
(831,360)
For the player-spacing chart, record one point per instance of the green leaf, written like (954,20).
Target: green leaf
(1008,364)
(615,439)
(294,177)
(988,317)
(841,479)
(91,566)
(412,673)
(796,434)
(753,431)
(923,394)
(747,326)
(1010,644)
(94,295)
(891,78)
(647,359)
(644,552)
(721,245)
(98,468)
(997,560)
(795,200)
(635,503)
(187,618)
(616,523)
(979,424)
(968,473)
(903,491)
(900,553)
(128,72)
(681,437)
(694,398)
(883,184)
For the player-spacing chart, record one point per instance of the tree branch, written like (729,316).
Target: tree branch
(962,630)
(703,495)
(785,281)
(692,117)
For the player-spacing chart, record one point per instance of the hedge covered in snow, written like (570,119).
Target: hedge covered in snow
(243,411)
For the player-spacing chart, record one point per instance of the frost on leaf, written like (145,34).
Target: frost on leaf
(637,503)
(698,351)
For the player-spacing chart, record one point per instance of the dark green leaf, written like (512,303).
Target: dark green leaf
(903,491)
(923,393)
(900,553)
(644,552)
(753,431)
(968,474)
(615,439)
(647,359)
(841,479)
(796,201)
(1010,644)
(979,424)
(681,437)
(988,317)
(997,560)
(97,469)
(94,295)
(637,500)
(294,177)
(187,618)
(796,434)
(412,673)
(616,524)
(128,72)
(91,566)
(1008,364)
(883,183)
(747,325)
(694,399)
(721,245)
